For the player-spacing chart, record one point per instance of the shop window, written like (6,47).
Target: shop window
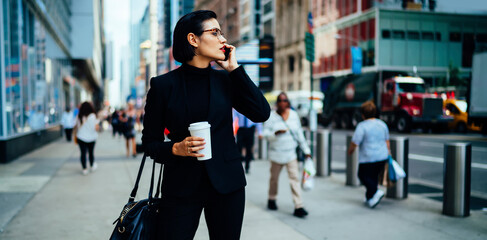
(428,36)
(398,34)
(413,35)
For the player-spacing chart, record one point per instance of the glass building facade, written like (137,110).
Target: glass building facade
(35,70)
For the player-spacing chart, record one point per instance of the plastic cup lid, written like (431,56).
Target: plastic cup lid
(198,126)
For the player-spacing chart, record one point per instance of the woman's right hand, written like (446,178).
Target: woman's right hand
(280,132)
(189,147)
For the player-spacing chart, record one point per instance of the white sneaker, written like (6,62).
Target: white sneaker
(85,172)
(376,198)
(94,167)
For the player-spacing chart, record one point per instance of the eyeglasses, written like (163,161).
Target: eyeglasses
(216,32)
(282,100)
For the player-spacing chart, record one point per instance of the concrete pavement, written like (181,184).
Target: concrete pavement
(44,196)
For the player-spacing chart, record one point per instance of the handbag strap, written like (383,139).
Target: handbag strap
(136,186)
(139,174)
(291,131)
(159,190)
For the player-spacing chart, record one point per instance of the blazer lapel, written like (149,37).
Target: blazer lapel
(181,82)
(213,104)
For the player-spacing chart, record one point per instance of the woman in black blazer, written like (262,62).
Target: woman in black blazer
(193,93)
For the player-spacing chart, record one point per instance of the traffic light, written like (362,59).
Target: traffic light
(266,71)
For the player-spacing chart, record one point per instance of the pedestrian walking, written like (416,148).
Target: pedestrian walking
(245,137)
(86,134)
(115,121)
(284,132)
(181,97)
(372,138)
(68,121)
(128,119)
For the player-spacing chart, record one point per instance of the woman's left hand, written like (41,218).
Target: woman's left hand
(231,64)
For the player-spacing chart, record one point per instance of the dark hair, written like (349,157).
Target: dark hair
(368,109)
(285,95)
(85,110)
(189,23)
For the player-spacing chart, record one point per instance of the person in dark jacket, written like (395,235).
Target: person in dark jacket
(195,92)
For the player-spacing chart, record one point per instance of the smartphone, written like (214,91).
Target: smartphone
(227,53)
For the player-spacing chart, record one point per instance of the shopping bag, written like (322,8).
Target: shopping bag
(384,179)
(309,167)
(309,171)
(391,174)
(398,171)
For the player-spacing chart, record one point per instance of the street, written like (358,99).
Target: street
(426,158)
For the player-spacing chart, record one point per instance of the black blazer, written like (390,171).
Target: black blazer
(167,107)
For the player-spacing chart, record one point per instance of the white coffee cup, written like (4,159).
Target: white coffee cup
(202,129)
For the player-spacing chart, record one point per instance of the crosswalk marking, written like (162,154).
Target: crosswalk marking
(440,160)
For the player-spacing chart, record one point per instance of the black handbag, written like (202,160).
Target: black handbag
(139,219)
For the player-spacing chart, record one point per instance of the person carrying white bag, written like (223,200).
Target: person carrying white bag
(309,171)
(372,138)
(284,132)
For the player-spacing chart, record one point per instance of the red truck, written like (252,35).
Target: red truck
(402,101)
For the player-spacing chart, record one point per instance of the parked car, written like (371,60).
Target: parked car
(458,110)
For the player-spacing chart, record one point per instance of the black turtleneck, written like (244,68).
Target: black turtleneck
(197,82)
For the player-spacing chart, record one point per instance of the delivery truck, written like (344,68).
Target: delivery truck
(477,106)
(402,101)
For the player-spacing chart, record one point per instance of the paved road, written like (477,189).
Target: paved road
(426,157)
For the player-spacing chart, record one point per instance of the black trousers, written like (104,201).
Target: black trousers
(69,133)
(245,139)
(86,147)
(223,214)
(368,173)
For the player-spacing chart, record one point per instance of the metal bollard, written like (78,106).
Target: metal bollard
(307,135)
(399,152)
(323,153)
(263,149)
(456,179)
(352,165)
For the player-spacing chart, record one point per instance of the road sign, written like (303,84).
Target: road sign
(356,60)
(309,40)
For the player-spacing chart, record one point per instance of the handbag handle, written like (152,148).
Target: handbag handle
(139,174)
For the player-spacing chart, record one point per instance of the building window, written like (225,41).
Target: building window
(386,34)
(455,37)
(481,38)
(413,35)
(438,36)
(398,34)
(268,28)
(291,63)
(428,36)
(257,5)
(268,7)
(257,19)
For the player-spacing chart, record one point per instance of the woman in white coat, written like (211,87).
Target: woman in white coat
(284,132)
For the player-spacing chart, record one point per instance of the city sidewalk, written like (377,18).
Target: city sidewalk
(44,196)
